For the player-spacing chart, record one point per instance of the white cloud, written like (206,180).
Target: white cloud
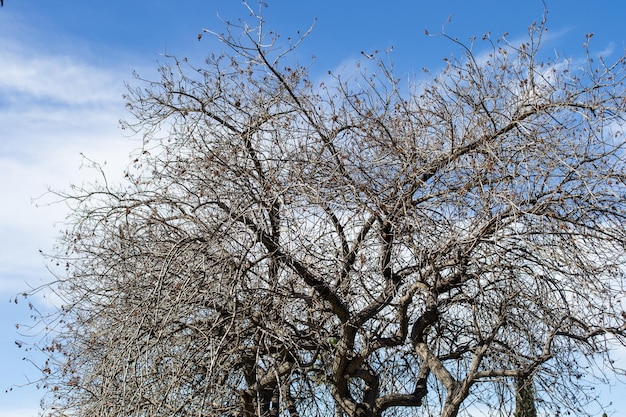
(20,412)
(61,79)
(607,51)
(53,107)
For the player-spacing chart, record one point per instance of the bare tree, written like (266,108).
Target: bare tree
(525,397)
(284,247)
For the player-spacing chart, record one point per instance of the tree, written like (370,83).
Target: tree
(525,397)
(290,248)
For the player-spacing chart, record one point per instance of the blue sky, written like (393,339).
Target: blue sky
(63,65)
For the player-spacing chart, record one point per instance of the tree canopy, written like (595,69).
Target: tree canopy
(351,247)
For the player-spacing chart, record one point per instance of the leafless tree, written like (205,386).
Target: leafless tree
(353,247)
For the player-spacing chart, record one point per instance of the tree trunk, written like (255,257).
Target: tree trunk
(455,398)
(525,397)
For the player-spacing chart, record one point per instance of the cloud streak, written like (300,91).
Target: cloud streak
(58,79)
(52,108)
(54,105)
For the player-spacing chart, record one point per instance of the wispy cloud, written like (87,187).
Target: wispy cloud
(20,412)
(53,107)
(63,80)
(607,51)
